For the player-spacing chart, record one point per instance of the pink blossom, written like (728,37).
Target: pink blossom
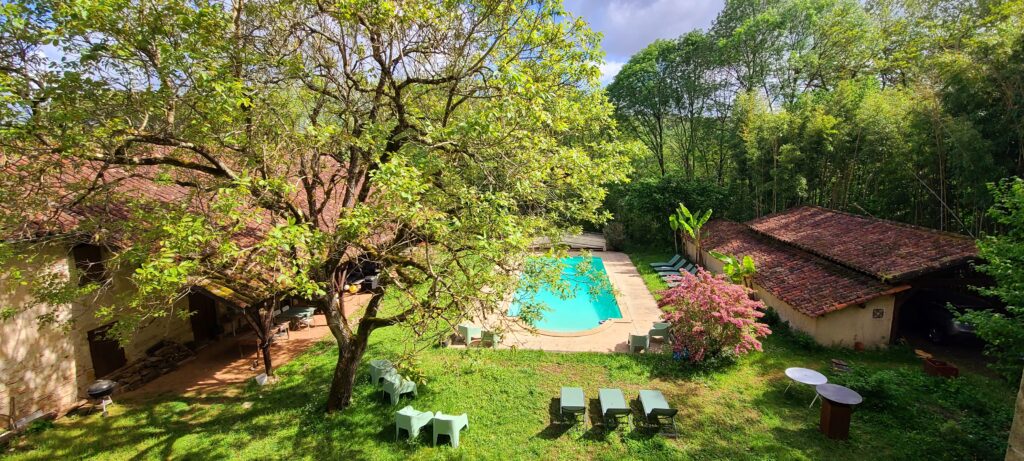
(711,315)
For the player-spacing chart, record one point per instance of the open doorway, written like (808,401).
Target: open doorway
(203,316)
(106,353)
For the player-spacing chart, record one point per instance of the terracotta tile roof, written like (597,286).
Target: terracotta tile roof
(812,285)
(887,250)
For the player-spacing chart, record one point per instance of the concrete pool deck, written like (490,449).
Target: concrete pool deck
(636,303)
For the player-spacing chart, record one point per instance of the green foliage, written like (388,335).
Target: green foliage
(975,421)
(1003,256)
(643,204)
(901,109)
(736,406)
(739,271)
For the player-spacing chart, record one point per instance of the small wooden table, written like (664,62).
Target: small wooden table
(836,405)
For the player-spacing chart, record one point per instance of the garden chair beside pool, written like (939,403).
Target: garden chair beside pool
(658,413)
(411,420)
(669,263)
(659,330)
(467,332)
(490,338)
(639,342)
(450,425)
(614,407)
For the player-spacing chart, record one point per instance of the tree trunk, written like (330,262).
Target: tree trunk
(343,380)
(268,366)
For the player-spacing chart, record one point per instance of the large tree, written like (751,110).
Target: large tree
(432,138)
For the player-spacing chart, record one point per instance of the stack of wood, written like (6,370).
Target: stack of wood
(162,358)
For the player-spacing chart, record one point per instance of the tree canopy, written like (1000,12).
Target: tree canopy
(273,146)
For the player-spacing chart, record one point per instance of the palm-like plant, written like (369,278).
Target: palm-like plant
(691,224)
(739,271)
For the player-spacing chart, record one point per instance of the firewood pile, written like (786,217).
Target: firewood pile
(162,358)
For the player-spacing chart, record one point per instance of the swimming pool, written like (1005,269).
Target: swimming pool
(590,302)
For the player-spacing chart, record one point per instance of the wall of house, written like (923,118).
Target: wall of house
(840,328)
(47,367)
(37,363)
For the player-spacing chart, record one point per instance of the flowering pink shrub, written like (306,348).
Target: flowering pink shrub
(711,316)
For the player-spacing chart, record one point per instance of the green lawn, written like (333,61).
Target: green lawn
(737,411)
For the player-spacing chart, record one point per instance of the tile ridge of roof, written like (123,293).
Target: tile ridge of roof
(813,257)
(870,218)
(880,277)
(803,248)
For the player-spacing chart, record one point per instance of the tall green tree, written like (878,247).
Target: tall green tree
(435,139)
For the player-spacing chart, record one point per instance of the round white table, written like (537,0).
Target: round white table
(805,376)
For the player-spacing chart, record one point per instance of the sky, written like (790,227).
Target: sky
(630,25)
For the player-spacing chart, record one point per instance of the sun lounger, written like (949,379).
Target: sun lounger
(411,420)
(674,267)
(668,263)
(658,413)
(613,407)
(688,266)
(450,425)
(572,403)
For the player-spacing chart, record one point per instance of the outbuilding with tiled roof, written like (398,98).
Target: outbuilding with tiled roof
(841,277)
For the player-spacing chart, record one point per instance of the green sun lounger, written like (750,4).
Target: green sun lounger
(571,404)
(450,425)
(675,259)
(658,413)
(674,267)
(411,420)
(688,266)
(614,407)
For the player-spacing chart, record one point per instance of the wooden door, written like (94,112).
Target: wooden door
(203,315)
(107,354)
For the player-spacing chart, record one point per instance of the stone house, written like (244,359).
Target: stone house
(845,279)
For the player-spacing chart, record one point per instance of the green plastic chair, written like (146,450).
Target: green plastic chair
(450,425)
(490,337)
(412,420)
(379,369)
(396,385)
(659,330)
(468,332)
(639,342)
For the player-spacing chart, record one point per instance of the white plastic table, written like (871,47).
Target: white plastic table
(805,376)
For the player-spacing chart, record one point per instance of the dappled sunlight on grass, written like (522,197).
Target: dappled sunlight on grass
(734,411)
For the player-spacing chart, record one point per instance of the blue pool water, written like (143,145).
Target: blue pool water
(589,303)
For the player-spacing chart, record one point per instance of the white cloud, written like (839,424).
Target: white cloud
(608,71)
(630,25)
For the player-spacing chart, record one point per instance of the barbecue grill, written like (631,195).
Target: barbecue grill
(101,390)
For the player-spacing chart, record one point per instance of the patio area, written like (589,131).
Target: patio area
(217,368)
